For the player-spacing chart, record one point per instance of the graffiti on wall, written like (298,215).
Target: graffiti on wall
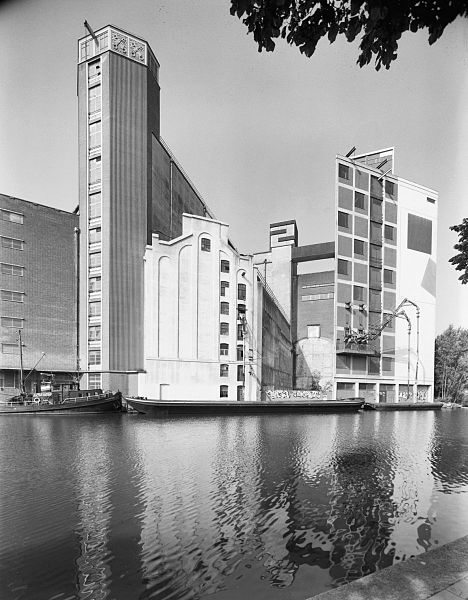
(420,397)
(295,394)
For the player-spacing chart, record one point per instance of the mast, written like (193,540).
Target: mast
(20,341)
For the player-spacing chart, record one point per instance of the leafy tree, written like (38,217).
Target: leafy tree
(461,260)
(451,364)
(380,23)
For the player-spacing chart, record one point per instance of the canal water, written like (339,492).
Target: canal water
(223,508)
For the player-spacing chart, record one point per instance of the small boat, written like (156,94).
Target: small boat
(89,401)
(164,408)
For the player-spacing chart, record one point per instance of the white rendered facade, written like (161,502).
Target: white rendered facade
(199,341)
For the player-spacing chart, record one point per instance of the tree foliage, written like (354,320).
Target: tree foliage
(379,23)
(451,364)
(461,260)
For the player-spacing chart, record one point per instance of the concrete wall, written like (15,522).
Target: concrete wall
(311,307)
(48,284)
(172,194)
(276,347)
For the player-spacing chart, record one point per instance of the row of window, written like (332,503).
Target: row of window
(344,268)
(7,269)
(94,380)
(224,371)
(11,296)
(12,243)
(94,211)
(94,135)
(389,230)
(95,170)
(241,289)
(94,284)
(15,322)
(10,349)
(11,216)
(224,329)
(309,297)
(224,351)
(344,172)
(94,333)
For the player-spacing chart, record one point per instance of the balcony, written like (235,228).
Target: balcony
(356,349)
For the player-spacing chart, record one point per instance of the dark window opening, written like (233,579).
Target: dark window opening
(343,171)
(359,247)
(205,245)
(241,291)
(359,200)
(343,219)
(343,267)
(224,266)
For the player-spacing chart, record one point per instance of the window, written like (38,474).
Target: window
(241,309)
(359,247)
(313,331)
(376,232)
(387,363)
(241,291)
(389,233)
(343,171)
(376,209)
(205,245)
(10,349)
(343,219)
(389,188)
(343,267)
(12,270)
(431,200)
(94,333)
(313,297)
(95,170)
(224,349)
(358,293)
(224,308)
(95,206)
(95,235)
(224,286)
(224,266)
(240,372)
(389,276)
(94,357)
(94,99)
(94,284)
(12,243)
(94,69)
(94,381)
(375,253)
(224,370)
(94,260)
(102,41)
(240,331)
(14,322)
(359,201)
(240,352)
(12,217)
(94,135)
(224,328)
(95,308)
(11,296)
(223,391)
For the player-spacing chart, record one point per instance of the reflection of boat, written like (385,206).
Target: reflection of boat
(78,401)
(161,408)
(403,405)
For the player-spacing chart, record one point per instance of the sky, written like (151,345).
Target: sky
(256,132)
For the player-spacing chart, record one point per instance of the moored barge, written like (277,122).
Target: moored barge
(99,402)
(165,408)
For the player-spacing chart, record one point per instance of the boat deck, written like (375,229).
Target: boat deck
(216,407)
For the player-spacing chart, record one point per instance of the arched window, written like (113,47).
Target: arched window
(205,245)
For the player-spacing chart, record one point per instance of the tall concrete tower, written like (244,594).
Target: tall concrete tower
(118,103)
(131,187)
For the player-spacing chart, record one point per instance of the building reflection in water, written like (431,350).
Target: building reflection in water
(223,507)
(94,508)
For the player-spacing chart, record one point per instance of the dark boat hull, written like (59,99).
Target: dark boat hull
(403,405)
(158,408)
(89,405)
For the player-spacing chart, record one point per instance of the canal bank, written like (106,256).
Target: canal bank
(440,574)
